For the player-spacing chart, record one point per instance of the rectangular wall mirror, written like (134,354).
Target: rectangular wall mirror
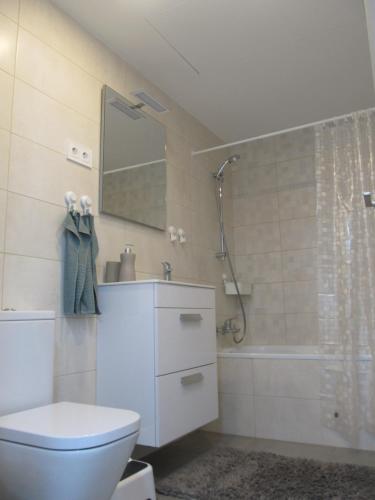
(133,173)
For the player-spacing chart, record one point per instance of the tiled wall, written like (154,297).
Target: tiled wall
(274,191)
(51,74)
(279,399)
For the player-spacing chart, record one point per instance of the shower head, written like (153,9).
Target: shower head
(220,170)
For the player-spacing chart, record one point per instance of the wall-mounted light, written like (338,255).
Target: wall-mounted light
(145,97)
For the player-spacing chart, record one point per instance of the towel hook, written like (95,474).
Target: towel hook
(368,199)
(70,201)
(86,204)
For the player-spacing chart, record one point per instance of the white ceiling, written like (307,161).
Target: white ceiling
(242,67)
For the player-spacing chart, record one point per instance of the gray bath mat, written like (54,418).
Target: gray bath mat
(232,474)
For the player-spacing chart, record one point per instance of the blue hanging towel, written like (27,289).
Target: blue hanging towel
(80,280)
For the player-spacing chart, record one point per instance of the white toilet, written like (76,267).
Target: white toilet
(62,451)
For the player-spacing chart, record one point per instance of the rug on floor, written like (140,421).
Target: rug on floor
(233,474)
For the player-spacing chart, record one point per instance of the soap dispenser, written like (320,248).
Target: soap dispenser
(127,268)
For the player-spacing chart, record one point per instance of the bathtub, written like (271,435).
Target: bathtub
(274,392)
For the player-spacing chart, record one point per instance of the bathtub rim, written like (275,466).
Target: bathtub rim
(285,352)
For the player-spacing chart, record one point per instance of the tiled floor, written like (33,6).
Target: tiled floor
(167,459)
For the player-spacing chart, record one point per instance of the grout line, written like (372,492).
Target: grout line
(56,151)
(56,100)
(75,373)
(51,203)
(8,169)
(49,259)
(282,250)
(11,18)
(275,221)
(67,58)
(8,73)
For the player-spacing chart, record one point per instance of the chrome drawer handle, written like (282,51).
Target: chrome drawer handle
(192,379)
(190,317)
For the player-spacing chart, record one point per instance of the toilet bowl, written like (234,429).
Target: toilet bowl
(65,451)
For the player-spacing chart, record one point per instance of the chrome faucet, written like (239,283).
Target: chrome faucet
(167,268)
(229,327)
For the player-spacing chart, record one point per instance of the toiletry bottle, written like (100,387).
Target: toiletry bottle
(127,268)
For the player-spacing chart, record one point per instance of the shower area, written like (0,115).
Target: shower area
(296,246)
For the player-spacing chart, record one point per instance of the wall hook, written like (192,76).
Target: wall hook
(181,235)
(70,201)
(86,204)
(368,199)
(172,233)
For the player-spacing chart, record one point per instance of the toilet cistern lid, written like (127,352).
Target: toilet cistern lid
(68,426)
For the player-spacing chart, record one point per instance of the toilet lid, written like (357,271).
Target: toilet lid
(68,426)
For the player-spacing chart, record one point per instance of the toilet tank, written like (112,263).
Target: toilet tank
(26,359)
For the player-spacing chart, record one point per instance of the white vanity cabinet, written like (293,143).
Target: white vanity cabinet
(156,355)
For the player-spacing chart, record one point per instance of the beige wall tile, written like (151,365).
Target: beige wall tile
(252,181)
(288,419)
(297,202)
(235,376)
(8,43)
(302,328)
(178,151)
(58,30)
(10,8)
(266,329)
(255,210)
(41,173)
(298,233)
(56,76)
(49,123)
(3,206)
(299,172)
(34,228)
(236,414)
(294,378)
(260,152)
(31,283)
(300,297)
(299,265)
(4,157)
(205,231)
(75,346)
(179,188)
(267,299)
(203,198)
(296,144)
(6,93)
(76,387)
(260,268)
(262,238)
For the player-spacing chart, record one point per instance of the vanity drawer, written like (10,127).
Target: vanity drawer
(185,401)
(184,338)
(184,296)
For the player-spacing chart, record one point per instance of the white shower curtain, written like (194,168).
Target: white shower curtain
(346,272)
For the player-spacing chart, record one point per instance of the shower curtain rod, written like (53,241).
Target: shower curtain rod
(278,132)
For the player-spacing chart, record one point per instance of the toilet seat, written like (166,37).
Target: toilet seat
(68,426)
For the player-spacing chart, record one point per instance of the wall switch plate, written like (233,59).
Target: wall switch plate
(79,154)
